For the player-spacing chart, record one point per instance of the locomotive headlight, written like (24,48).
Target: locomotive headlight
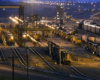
(24,36)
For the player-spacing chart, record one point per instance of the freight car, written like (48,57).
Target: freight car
(79,24)
(9,38)
(37,36)
(45,34)
(90,26)
(93,45)
(76,39)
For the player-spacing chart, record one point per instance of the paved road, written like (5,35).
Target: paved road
(6,70)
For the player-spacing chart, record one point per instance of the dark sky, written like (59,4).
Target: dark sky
(57,0)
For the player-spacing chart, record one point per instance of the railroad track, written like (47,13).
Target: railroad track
(79,73)
(55,70)
(2,56)
(20,58)
(72,68)
(42,58)
(80,52)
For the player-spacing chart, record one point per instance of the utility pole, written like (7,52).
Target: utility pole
(50,43)
(13,58)
(59,55)
(72,45)
(27,63)
(13,67)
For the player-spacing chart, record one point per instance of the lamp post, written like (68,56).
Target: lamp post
(72,45)
(27,62)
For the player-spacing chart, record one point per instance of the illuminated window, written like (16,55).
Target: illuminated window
(61,7)
(57,12)
(58,18)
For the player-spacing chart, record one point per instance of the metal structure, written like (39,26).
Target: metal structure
(21,28)
(27,63)
(21,15)
(59,51)
(20,7)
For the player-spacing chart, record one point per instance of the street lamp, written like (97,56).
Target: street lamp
(27,62)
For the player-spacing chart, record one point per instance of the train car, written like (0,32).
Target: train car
(93,28)
(45,34)
(79,24)
(65,58)
(84,37)
(37,37)
(97,29)
(89,27)
(57,31)
(85,26)
(9,38)
(93,45)
(61,33)
(64,35)
(76,39)
(68,36)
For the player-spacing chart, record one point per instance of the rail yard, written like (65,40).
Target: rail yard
(49,48)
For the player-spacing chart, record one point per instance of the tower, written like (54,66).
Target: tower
(59,12)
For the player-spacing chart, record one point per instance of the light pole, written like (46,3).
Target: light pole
(27,62)
(72,45)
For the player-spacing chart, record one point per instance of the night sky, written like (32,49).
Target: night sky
(57,0)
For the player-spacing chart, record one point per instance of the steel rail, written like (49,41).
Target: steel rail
(2,55)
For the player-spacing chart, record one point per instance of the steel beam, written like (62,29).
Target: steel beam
(26,29)
(10,6)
